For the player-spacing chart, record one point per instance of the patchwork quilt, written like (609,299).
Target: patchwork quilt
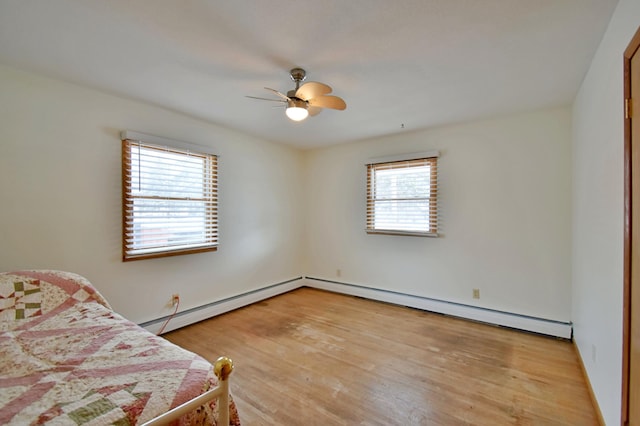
(67,358)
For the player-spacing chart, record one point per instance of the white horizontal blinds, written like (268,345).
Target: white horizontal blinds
(402,197)
(170,201)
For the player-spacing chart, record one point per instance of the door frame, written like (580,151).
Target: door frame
(628,173)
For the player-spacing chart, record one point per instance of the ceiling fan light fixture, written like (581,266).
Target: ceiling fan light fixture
(296,109)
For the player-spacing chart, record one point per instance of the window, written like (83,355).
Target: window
(170,200)
(402,196)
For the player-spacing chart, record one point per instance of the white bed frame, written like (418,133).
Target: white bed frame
(222,368)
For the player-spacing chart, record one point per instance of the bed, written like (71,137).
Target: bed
(67,358)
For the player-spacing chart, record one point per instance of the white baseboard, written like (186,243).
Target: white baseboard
(191,316)
(506,319)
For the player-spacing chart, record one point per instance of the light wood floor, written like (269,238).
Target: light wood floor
(311,357)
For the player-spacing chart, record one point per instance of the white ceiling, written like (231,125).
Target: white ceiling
(420,63)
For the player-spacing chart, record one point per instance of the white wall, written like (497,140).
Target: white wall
(60,198)
(505,203)
(598,191)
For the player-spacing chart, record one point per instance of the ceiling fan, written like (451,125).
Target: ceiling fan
(305,100)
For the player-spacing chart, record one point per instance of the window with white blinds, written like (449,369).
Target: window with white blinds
(170,201)
(402,197)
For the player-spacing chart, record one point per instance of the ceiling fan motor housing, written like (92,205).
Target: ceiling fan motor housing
(294,102)
(292,94)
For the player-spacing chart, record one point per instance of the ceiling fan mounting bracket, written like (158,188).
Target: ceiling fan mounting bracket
(297,75)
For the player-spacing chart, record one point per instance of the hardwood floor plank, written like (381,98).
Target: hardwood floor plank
(311,357)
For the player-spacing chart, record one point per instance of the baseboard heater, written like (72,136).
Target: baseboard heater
(506,319)
(200,313)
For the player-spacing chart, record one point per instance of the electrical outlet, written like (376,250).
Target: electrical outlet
(476,293)
(338,272)
(175,299)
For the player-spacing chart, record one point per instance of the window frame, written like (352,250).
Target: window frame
(403,162)
(209,201)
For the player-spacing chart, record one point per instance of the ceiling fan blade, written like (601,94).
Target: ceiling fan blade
(266,99)
(332,102)
(312,89)
(282,95)
(314,110)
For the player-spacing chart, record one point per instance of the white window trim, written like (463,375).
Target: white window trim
(171,143)
(403,157)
